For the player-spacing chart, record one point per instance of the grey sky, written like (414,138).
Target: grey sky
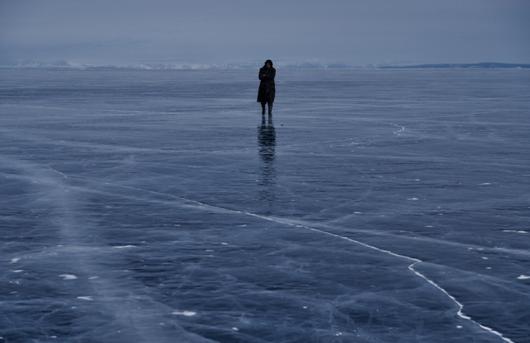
(216,31)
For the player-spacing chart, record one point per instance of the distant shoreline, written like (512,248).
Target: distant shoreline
(481,65)
(63,65)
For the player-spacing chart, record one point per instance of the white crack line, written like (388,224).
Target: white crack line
(414,261)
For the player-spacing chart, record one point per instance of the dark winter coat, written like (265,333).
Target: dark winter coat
(267,88)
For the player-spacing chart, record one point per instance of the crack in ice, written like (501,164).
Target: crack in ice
(414,261)
(206,207)
(410,267)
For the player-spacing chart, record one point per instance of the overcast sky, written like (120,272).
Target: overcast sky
(356,32)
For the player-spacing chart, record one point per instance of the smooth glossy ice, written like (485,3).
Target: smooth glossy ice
(159,206)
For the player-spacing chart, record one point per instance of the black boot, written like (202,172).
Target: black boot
(270,109)
(262,108)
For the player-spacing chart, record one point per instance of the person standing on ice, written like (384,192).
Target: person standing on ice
(267,88)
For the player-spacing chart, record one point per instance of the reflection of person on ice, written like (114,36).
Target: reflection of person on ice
(267,88)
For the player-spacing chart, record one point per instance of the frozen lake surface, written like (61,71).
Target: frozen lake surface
(158,206)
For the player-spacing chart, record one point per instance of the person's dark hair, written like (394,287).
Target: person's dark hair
(268,61)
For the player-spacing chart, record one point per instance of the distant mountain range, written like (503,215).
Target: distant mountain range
(482,65)
(252,65)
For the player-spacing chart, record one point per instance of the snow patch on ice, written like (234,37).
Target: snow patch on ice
(516,231)
(184,313)
(124,246)
(68,276)
(400,129)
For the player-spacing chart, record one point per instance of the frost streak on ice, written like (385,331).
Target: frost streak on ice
(63,197)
